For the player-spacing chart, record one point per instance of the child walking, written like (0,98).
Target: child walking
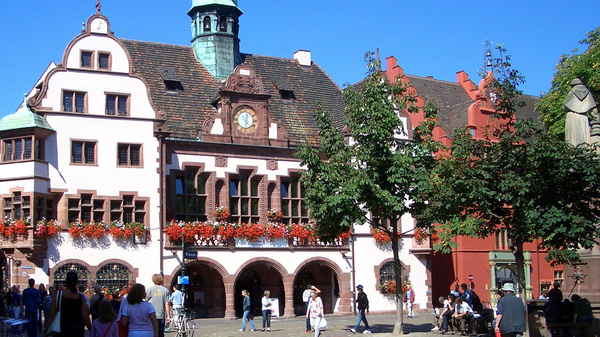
(105,325)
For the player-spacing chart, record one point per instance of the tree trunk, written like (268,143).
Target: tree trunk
(520,260)
(398,278)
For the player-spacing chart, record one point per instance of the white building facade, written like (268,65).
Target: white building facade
(128,135)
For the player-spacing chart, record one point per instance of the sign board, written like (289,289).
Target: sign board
(183,280)
(470,277)
(274,307)
(24,273)
(190,254)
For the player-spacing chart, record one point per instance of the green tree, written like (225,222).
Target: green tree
(586,67)
(368,177)
(521,180)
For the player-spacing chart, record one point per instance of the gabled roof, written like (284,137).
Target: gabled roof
(454,102)
(450,97)
(24,118)
(186,110)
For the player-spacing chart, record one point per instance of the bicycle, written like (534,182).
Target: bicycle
(184,324)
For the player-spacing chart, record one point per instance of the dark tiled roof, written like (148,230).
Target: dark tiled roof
(187,109)
(454,102)
(450,97)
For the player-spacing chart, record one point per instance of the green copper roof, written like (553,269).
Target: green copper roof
(24,118)
(230,3)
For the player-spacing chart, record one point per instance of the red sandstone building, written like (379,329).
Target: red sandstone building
(484,264)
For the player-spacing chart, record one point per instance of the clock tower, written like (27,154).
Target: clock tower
(215,28)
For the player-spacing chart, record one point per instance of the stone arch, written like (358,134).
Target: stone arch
(377,270)
(207,291)
(326,275)
(90,271)
(262,269)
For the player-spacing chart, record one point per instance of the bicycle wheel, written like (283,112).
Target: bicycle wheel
(190,327)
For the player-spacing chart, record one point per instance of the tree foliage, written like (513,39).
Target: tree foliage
(366,171)
(586,67)
(521,180)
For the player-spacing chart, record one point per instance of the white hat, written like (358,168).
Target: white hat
(508,287)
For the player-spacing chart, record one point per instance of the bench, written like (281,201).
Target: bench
(584,326)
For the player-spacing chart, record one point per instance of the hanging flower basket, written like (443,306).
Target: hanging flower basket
(274,215)
(14,229)
(389,287)
(47,229)
(91,230)
(382,237)
(222,213)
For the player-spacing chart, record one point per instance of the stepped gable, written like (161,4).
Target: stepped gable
(450,97)
(188,107)
(454,102)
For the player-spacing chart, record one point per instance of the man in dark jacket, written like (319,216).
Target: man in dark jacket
(511,313)
(32,299)
(363,307)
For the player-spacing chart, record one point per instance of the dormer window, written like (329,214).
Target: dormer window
(287,94)
(172,83)
(223,24)
(86,59)
(206,24)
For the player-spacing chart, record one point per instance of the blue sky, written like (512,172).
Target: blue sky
(429,38)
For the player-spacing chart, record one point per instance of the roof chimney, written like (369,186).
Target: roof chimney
(303,57)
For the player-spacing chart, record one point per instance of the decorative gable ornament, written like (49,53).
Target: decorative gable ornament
(244,80)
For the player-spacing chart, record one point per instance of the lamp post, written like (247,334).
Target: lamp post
(182,259)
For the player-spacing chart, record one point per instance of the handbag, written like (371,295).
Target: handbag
(54,327)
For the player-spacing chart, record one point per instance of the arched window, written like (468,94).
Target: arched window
(206,24)
(114,276)
(60,274)
(223,24)
(386,273)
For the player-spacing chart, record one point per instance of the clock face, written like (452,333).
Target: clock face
(245,120)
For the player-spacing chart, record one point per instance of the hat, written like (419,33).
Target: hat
(508,287)
(359,286)
(97,287)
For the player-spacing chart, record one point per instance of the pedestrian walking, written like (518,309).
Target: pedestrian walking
(315,312)
(410,299)
(362,302)
(32,299)
(158,296)
(510,321)
(138,315)
(176,302)
(306,298)
(247,307)
(105,325)
(266,310)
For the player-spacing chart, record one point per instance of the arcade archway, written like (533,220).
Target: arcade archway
(320,274)
(256,278)
(206,292)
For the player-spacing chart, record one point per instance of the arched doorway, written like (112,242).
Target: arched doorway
(206,293)
(256,278)
(321,276)
(507,275)
(249,280)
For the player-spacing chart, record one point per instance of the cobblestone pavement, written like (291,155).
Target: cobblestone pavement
(295,327)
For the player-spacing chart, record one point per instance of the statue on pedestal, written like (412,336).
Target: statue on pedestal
(580,105)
